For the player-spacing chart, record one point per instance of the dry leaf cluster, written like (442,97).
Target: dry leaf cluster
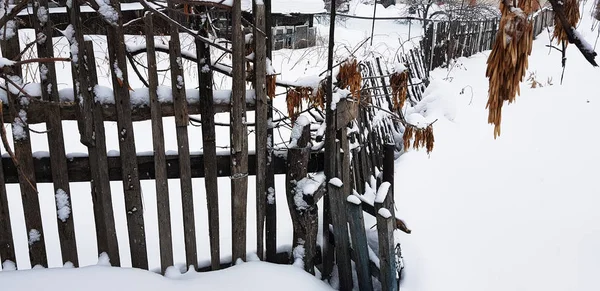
(349,76)
(271,86)
(508,61)
(422,137)
(295,96)
(571,8)
(399,84)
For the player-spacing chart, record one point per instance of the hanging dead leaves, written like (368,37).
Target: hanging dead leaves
(572,13)
(271,86)
(421,138)
(399,84)
(348,77)
(508,61)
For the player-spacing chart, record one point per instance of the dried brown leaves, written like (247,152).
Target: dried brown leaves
(508,61)
(399,84)
(349,76)
(571,8)
(271,86)
(421,137)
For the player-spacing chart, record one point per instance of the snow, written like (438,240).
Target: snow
(9,265)
(384,212)
(353,199)
(42,15)
(298,254)
(516,213)
(289,6)
(108,12)
(103,260)
(63,206)
(6,62)
(509,213)
(299,125)
(34,236)
(19,126)
(248,276)
(336,182)
(382,192)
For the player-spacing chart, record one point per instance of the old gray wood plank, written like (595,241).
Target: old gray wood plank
(239,138)
(160,161)
(56,144)
(100,181)
(205,81)
(22,150)
(131,182)
(262,125)
(181,123)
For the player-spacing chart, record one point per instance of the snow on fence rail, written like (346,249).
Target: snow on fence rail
(363,159)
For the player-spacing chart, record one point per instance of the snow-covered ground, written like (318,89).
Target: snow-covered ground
(516,213)
(249,276)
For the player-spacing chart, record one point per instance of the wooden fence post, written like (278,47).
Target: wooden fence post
(181,123)
(56,143)
(239,138)
(271,206)
(131,180)
(160,162)
(384,205)
(260,75)
(304,217)
(205,81)
(360,248)
(101,194)
(7,245)
(22,150)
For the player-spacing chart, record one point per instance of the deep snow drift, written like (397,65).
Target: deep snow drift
(257,276)
(516,213)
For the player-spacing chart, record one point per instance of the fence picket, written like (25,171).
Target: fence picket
(56,144)
(99,169)
(205,81)
(7,245)
(160,161)
(131,182)
(181,123)
(22,150)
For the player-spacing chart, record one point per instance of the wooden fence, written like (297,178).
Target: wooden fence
(362,160)
(448,40)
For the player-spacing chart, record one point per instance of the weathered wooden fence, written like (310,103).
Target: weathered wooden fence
(362,159)
(447,40)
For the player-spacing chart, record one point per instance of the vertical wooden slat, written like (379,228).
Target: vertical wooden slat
(56,144)
(22,150)
(131,181)
(239,138)
(205,81)
(181,123)
(336,194)
(385,225)
(304,218)
(360,247)
(160,161)
(387,261)
(260,73)
(388,175)
(74,34)
(101,195)
(7,245)
(271,208)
